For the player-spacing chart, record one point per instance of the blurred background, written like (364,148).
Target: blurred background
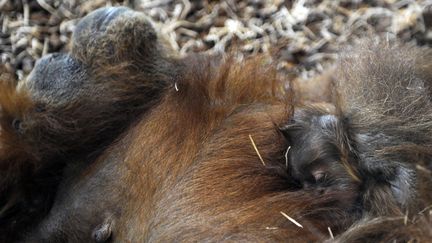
(304,36)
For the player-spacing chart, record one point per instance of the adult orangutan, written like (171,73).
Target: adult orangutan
(121,140)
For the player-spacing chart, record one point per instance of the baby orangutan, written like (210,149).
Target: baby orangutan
(136,145)
(378,134)
(323,155)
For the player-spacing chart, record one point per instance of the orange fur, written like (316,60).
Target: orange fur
(181,166)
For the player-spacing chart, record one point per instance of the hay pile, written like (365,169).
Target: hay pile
(306,33)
